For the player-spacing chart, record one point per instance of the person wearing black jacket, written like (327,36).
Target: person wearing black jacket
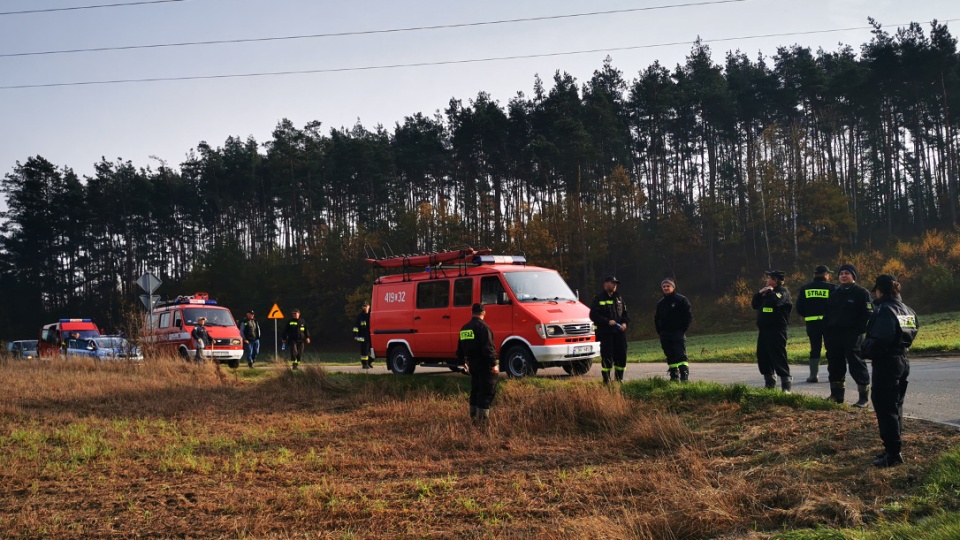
(811,305)
(848,310)
(773,312)
(201,338)
(609,315)
(890,332)
(361,334)
(250,331)
(476,350)
(672,320)
(296,336)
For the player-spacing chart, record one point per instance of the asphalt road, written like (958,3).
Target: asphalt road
(933,393)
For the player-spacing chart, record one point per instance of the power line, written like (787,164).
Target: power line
(427,64)
(98,6)
(369,32)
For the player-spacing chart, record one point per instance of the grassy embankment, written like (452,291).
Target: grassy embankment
(168,449)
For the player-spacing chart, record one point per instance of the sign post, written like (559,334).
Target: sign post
(149,283)
(275,314)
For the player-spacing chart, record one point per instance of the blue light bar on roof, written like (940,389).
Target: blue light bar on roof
(500,259)
(76,320)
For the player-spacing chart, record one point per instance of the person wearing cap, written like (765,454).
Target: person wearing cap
(773,307)
(476,350)
(296,337)
(890,332)
(845,320)
(811,305)
(672,319)
(361,334)
(201,338)
(609,314)
(250,331)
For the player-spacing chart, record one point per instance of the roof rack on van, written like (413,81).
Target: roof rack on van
(434,262)
(200,298)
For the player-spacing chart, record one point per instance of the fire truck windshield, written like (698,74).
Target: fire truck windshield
(537,286)
(215,317)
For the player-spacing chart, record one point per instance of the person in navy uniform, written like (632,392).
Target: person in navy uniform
(361,334)
(609,315)
(773,313)
(812,301)
(672,319)
(890,332)
(477,352)
(848,310)
(296,337)
(201,338)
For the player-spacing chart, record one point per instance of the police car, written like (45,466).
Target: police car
(104,348)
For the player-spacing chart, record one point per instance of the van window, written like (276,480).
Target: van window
(165,320)
(433,294)
(490,289)
(463,292)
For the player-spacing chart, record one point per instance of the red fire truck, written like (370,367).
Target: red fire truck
(174,320)
(537,321)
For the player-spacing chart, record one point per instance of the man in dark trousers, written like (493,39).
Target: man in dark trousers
(296,337)
(361,334)
(811,305)
(773,313)
(250,330)
(848,310)
(476,350)
(609,315)
(672,319)
(890,332)
(201,338)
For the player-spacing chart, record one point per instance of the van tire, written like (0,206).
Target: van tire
(400,361)
(519,362)
(184,354)
(578,367)
(234,364)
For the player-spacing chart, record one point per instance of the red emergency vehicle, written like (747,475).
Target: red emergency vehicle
(56,337)
(174,320)
(537,321)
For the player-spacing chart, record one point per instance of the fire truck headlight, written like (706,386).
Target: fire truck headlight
(234,341)
(542,330)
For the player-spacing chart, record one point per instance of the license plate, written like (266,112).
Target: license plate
(582,349)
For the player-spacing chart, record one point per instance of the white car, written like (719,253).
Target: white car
(104,348)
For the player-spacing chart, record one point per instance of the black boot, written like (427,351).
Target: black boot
(684,373)
(814,369)
(483,419)
(837,391)
(606,376)
(474,415)
(786,383)
(770,381)
(674,374)
(864,393)
(888,460)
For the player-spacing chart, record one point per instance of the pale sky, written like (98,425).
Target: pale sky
(75,125)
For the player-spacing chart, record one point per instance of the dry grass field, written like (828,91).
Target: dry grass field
(165,449)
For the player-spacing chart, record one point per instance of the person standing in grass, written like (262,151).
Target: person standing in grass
(250,331)
(890,332)
(672,319)
(811,305)
(476,350)
(361,334)
(201,338)
(848,310)
(609,314)
(773,312)
(297,337)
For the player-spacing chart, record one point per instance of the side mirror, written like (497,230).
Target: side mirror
(178,323)
(502,298)
(577,292)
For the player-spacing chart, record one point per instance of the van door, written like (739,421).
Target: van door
(431,319)
(496,302)
(460,314)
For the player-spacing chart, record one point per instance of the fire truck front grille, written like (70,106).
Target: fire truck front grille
(221,342)
(578,329)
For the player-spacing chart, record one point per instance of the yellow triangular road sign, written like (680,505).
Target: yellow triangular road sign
(275,313)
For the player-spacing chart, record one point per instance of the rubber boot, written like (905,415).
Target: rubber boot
(785,384)
(888,460)
(814,369)
(837,391)
(684,373)
(770,381)
(619,374)
(864,393)
(296,365)
(474,415)
(483,417)
(606,376)
(674,374)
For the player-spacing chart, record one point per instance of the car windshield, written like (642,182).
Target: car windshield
(215,317)
(539,286)
(111,342)
(29,345)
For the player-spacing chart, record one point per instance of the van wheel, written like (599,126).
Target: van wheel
(184,354)
(579,367)
(234,364)
(518,362)
(401,361)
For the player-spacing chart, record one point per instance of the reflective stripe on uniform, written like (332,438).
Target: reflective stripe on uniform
(814,318)
(606,302)
(678,364)
(605,370)
(620,368)
(768,310)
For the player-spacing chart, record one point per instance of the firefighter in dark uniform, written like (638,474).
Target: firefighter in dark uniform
(811,305)
(848,310)
(476,350)
(250,331)
(773,312)
(361,334)
(609,315)
(890,331)
(672,319)
(296,336)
